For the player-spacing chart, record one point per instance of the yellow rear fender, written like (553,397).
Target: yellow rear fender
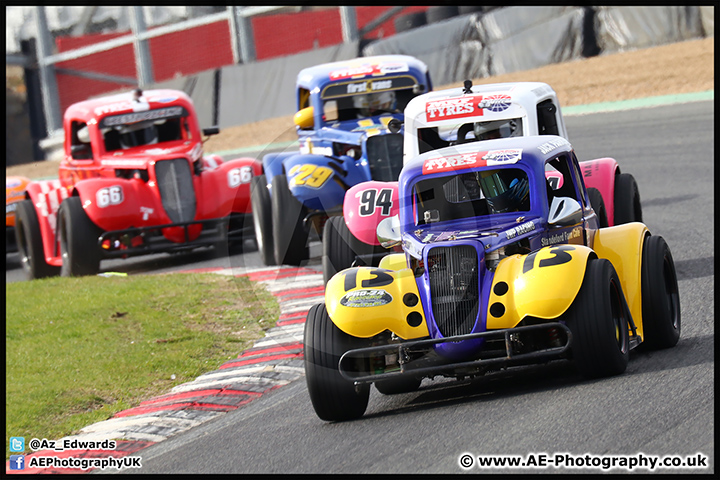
(623,246)
(542,284)
(365,301)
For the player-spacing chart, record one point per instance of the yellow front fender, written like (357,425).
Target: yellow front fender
(365,301)
(542,284)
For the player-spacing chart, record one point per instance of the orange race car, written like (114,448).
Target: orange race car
(14,193)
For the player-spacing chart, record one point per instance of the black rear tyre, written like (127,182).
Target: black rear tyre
(78,237)
(262,219)
(598,322)
(333,397)
(598,204)
(29,242)
(627,200)
(289,235)
(660,295)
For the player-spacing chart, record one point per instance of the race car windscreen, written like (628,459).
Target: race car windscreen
(143,128)
(471,194)
(351,100)
(433,138)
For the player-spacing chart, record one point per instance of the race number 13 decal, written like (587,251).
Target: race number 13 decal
(311,175)
(379,279)
(372,198)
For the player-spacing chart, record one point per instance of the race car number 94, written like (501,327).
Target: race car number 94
(371,199)
(109,196)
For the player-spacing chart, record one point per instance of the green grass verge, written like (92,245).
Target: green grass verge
(79,350)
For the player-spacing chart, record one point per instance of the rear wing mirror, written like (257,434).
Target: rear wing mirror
(565,212)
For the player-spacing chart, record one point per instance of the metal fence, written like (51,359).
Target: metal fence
(73,63)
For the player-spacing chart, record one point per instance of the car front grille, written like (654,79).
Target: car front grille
(174,180)
(454,294)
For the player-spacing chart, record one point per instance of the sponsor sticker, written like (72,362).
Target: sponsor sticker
(451,108)
(466,106)
(368,69)
(146,212)
(366,298)
(572,236)
(548,147)
(164,99)
(520,229)
(130,118)
(471,160)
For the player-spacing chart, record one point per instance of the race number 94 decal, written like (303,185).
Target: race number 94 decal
(372,198)
(109,196)
(311,175)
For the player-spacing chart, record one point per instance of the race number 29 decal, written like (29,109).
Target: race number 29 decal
(109,196)
(310,175)
(372,198)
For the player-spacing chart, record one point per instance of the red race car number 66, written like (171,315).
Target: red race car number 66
(109,196)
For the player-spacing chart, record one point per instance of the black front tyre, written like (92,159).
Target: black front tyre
(598,322)
(29,242)
(627,200)
(262,219)
(598,205)
(333,397)
(660,295)
(78,237)
(289,234)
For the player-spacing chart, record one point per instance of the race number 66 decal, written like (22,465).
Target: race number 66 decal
(372,198)
(109,196)
(238,176)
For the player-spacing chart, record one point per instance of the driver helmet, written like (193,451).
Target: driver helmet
(496,129)
(374,103)
(138,134)
(513,199)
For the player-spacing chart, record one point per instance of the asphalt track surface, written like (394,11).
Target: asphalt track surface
(662,405)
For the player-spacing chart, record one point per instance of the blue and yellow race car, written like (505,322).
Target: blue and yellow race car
(502,263)
(344,110)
